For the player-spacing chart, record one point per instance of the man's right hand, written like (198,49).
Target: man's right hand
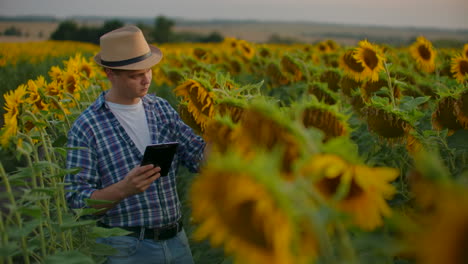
(139,179)
(136,181)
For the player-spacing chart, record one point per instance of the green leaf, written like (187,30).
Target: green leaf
(108,232)
(90,202)
(8,249)
(69,257)
(49,191)
(86,211)
(25,230)
(60,141)
(409,103)
(63,172)
(33,211)
(100,249)
(71,223)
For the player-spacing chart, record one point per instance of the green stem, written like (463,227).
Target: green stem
(4,236)
(19,221)
(390,86)
(57,103)
(326,249)
(348,250)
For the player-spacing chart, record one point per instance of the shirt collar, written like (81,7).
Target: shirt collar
(101,100)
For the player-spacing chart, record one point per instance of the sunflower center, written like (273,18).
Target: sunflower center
(328,186)
(424,52)
(464,67)
(70,84)
(352,63)
(462,251)
(370,58)
(354,191)
(202,105)
(247,227)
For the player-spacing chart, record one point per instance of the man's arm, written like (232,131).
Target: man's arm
(136,181)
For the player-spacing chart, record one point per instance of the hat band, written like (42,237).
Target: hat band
(125,62)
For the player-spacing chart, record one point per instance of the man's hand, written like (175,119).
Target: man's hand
(139,179)
(136,181)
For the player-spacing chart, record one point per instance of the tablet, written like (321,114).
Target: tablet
(160,155)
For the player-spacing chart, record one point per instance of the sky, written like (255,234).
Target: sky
(444,14)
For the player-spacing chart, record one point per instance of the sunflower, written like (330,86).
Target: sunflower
(71,83)
(332,77)
(201,54)
(465,51)
(447,223)
(332,45)
(322,93)
(35,89)
(355,189)
(326,118)
(234,108)
(246,49)
(371,88)
(264,126)
(237,203)
(276,75)
(371,59)
(200,100)
(459,68)
(444,116)
(13,102)
(55,73)
(188,119)
(348,85)
(424,54)
(388,125)
(218,133)
(81,66)
(461,109)
(413,143)
(351,66)
(292,67)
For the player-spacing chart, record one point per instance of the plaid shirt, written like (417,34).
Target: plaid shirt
(109,154)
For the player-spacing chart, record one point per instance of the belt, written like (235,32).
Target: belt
(162,233)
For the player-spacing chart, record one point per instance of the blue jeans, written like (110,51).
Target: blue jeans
(132,250)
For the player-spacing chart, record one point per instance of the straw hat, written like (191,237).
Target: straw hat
(126,49)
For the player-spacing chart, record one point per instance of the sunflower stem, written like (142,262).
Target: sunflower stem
(390,86)
(4,240)
(16,214)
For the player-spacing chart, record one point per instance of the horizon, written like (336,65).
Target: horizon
(210,20)
(437,14)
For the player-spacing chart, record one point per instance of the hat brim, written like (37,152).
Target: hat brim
(155,58)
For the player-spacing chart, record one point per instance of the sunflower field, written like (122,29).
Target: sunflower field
(319,153)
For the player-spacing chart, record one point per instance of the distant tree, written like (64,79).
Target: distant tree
(162,32)
(277,39)
(147,31)
(109,25)
(88,34)
(213,37)
(12,31)
(67,30)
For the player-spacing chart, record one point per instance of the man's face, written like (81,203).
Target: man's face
(130,84)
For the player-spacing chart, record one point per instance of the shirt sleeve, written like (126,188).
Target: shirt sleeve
(191,145)
(81,155)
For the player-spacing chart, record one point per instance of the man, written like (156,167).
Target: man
(112,135)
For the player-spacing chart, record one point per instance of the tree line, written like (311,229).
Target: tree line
(160,32)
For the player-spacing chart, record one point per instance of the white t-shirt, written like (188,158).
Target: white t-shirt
(133,120)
